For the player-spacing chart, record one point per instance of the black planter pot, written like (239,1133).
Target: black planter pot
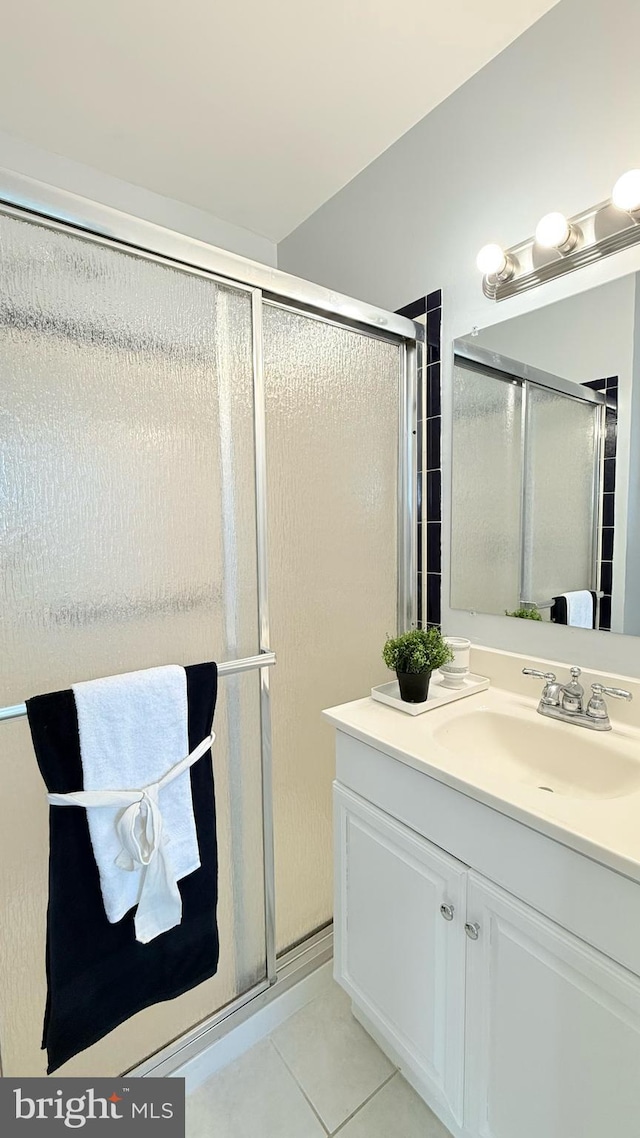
(414,686)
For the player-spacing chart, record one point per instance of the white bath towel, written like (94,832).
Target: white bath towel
(579,608)
(133,729)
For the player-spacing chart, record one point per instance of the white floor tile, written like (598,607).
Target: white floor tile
(395,1110)
(254,1097)
(332,1057)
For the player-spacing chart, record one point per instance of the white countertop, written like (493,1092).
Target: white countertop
(605,828)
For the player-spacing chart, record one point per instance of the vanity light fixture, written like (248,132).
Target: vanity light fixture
(626,193)
(562,244)
(553,231)
(492,261)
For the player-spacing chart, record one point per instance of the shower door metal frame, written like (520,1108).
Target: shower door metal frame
(599,405)
(491,363)
(29,200)
(62,206)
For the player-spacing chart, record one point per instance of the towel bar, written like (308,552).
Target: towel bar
(230,668)
(547,604)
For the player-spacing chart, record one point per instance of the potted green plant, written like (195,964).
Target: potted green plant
(414,656)
(524,614)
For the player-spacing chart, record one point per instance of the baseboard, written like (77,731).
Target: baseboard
(258,1025)
(303,974)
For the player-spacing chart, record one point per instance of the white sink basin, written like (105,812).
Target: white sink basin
(577,786)
(552,756)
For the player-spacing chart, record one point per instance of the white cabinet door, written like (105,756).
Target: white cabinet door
(553,1029)
(397,956)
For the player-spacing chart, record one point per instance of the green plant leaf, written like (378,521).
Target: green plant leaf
(421,650)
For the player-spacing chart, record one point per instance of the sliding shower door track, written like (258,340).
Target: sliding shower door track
(292,967)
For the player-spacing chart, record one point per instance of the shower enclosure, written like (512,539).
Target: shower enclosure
(202,458)
(526,485)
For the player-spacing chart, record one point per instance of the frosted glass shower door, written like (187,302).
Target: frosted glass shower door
(561,494)
(486,492)
(127,540)
(333,399)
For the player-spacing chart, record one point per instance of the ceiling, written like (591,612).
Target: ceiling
(257,111)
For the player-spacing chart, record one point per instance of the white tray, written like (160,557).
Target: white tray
(438,693)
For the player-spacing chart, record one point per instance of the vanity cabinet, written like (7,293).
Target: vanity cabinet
(398,956)
(508,1024)
(552,1029)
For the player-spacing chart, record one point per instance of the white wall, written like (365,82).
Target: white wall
(585,337)
(549,124)
(22,158)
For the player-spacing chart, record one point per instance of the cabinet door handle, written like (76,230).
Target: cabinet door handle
(472,931)
(447,912)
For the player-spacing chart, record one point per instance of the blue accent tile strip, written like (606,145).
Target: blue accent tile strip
(434,594)
(434,495)
(415,309)
(609,502)
(434,546)
(433,443)
(433,390)
(429,449)
(433,461)
(609,386)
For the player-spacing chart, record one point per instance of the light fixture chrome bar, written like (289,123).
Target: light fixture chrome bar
(230,668)
(603,229)
(68,209)
(260,438)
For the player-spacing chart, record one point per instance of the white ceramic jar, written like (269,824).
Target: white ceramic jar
(454,673)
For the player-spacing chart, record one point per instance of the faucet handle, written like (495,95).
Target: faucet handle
(597,708)
(617,693)
(548,676)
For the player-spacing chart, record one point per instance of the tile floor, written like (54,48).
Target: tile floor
(318,1073)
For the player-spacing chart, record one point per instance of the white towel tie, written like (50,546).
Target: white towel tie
(143,845)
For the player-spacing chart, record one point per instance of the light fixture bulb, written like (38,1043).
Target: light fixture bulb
(492,260)
(626,192)
(553,231)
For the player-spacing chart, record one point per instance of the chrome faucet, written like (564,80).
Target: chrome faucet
(566,701)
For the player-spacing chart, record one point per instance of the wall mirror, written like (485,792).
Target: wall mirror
(545,505)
